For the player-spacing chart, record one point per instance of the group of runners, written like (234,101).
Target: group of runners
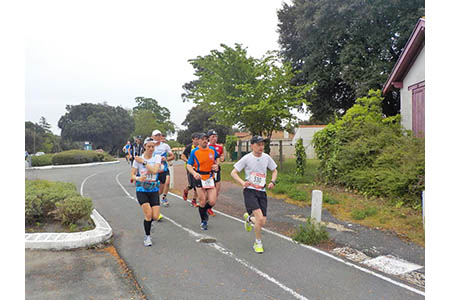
(202,157)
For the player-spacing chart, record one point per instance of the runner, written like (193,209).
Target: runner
(136,150)
(166,155)
(212,136)
(185,156)
(203,160)
(145,172)
(126,150)
(255,165)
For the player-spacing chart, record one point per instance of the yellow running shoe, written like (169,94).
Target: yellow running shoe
(248,225)
(160,217)
(258,248)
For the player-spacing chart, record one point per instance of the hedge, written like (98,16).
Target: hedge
(42,160)
(80,157)
(54,200)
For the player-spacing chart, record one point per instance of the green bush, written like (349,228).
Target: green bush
(311,233)
(42,198)
(298,195)
(80,156)
(372,154)
(330,200)
(72,209)
(42,160)
(362,214)
(230,144)
(300,159)
(282,188)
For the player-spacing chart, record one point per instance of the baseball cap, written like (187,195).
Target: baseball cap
(202,135)
(149,139)
(256,139)
(139,137)
(156,132)
(211,132)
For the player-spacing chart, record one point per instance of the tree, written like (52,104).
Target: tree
(156,114)
(199,120)
(254,94)
(44,124)
(105,126)
(347,47)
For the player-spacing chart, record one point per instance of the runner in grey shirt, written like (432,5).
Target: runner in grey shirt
(255,165)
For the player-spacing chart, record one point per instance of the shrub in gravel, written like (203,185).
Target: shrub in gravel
(311,233)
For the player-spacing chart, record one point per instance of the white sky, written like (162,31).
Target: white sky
(95,51)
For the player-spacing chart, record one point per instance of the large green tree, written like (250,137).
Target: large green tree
(107,127)
(149,115)
(254,94)
(347,47)
(199,120)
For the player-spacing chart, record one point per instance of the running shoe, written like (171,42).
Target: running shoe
(248,225)
(164,202)
(258,248)
(160,217)
(204,225)
(194,203)
(147,241)
(185,194)
(210,212)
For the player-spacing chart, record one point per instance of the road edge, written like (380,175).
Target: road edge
(72,166)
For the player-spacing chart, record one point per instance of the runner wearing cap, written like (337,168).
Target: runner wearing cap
(212,136)
(164,150)
(145,172)
(202,161)
(185,157)
(255,165)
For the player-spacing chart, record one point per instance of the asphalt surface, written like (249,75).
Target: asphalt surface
(179,267)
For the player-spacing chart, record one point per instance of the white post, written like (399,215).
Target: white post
(316,206)
(423,208)
(171,177)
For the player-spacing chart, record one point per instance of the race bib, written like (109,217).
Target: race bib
(257,180)
(149,176)
(208,183)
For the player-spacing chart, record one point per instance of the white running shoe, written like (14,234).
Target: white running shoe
(147,241)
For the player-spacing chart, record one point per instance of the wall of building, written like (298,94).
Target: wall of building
(307,134)
(415,75)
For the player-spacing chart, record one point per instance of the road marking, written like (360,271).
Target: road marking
(84,181)
(224,251)
(326,254)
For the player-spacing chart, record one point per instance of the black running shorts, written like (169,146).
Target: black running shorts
(218,176)
(191,180)
(152,198)
(162,176)
(254,200)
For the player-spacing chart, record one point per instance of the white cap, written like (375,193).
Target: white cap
(147,140)
(155,132)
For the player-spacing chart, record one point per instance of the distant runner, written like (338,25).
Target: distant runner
(185,157)
(255,165)
(203,160)
(212,136)
(145,172)
(164,150)
(126,149)
(136,150)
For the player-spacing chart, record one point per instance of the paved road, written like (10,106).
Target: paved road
(179,267)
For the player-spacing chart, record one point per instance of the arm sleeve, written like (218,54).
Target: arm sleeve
(271,165)
(191,158)
(240,164)
(187,150)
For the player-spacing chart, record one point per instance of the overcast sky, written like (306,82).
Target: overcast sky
(95,51)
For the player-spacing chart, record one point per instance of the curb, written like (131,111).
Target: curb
(64,240)
(73,166)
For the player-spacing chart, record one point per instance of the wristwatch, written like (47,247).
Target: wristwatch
(144,163)
(273,182)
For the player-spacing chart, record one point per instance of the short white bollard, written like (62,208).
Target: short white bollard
(172,179)
(423,207)
(316,206)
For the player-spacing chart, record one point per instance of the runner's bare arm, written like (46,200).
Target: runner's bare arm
(139,159)
(184,158)
(274,178)
(170,156)
(153,169)
(133,175)
(235,175)
(191,170)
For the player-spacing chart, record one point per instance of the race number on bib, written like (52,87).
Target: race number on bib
(208,183)
(257,180)
(149,176)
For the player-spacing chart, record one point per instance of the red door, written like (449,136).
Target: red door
(418,110)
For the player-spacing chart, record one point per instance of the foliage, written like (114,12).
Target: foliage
(311,233)
(73,208)
(148,115)
(231,143)
(347,47)
(80,156)
(39,138)
(362,214)
(300,157)
(255,94)
(41,197)
(200,120)
(42,160)
(370,153)
(105,126)
(174,144)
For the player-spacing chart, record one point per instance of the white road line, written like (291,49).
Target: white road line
(326,254)
(226,251)
(84,181)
